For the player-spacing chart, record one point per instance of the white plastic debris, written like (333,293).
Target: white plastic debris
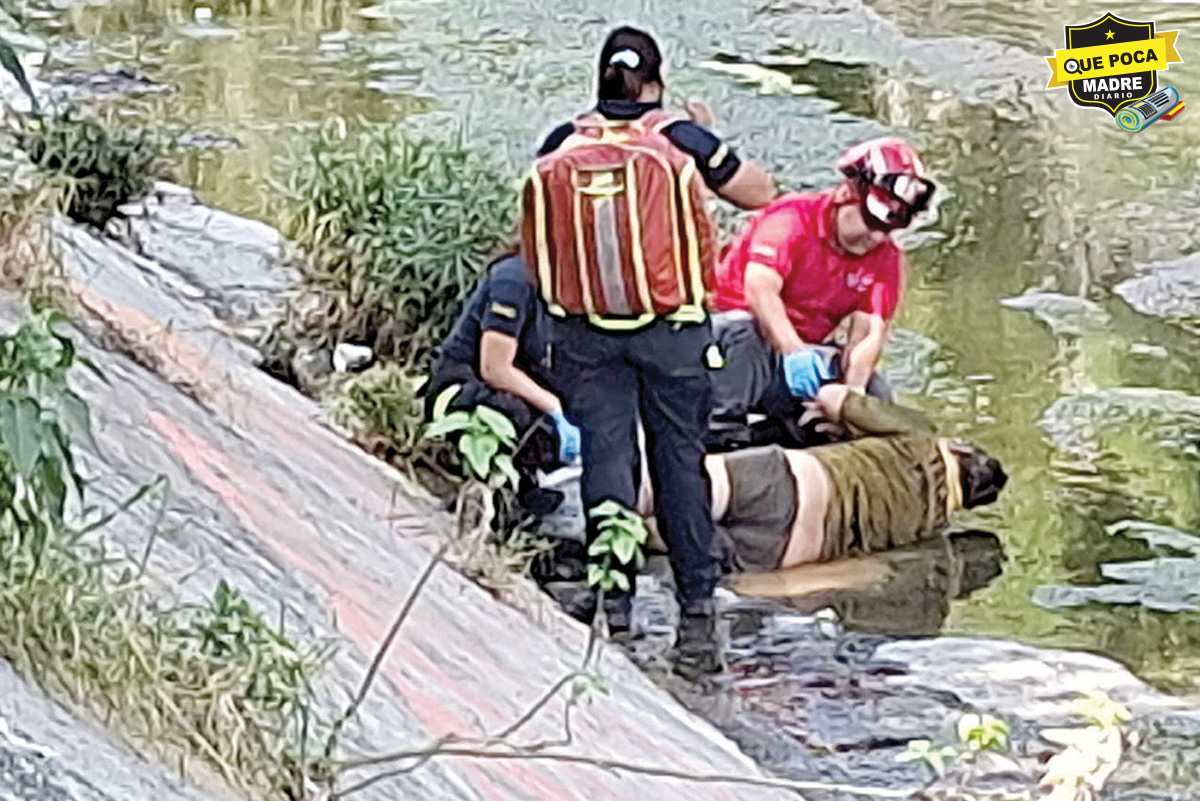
(348,358)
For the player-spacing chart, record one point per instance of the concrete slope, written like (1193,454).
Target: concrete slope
(48,755)
(263,495)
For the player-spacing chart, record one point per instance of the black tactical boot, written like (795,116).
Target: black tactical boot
(579,601)
(618,613)
(698,650)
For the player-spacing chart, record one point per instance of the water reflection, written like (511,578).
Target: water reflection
(903,592)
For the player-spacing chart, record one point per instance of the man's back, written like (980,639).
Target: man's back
(821,283)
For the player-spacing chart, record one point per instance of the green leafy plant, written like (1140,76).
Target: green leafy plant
(230,631)
(95,165)
(13,20)
(382,401)
(621,533)
(212,683)
(936,757)
(486,439)
(38,411)
(397,228)
(979,732)
(1100,709)
(11,63)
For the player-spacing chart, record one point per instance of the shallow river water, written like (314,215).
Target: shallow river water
(1038,195)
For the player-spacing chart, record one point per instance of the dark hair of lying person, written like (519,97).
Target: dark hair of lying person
(981,476)
(629,60)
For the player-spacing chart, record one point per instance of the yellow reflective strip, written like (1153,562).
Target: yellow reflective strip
(640,275)
(689,170)
(718,157)
(600,192)
(585,283)
(686,176)
(689,313)
(539,232)
(620,323)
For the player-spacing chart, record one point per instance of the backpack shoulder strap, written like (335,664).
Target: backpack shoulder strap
(660,119)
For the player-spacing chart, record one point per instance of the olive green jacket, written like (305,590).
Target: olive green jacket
(888,483)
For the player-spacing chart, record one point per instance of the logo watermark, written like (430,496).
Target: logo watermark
(1113,64)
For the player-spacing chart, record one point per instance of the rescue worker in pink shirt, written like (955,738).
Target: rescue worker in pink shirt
(802,266)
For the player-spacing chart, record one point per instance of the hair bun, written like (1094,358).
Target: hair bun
(626,58)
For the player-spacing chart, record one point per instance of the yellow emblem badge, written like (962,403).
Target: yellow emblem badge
(1112,64)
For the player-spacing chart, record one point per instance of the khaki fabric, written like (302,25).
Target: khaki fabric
(888,484)
(762,506)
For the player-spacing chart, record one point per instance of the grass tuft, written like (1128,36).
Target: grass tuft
(397,229)
(212,685)
(94,165)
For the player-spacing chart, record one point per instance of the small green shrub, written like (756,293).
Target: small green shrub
(231,633)
(492,542)
(485,439)
(37,412)
(212,683)
(933,756)
(382,402)
(621,534)
(397,229)
(95,165)
(979,732)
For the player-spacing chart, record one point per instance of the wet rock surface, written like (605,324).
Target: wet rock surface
(1167,417)
(112,81)
(1064,315)
(1170,290)
(1165,583)
(814,692)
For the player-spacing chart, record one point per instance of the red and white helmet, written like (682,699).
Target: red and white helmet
(890,179)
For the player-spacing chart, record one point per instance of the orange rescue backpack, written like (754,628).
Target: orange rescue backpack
(614,224)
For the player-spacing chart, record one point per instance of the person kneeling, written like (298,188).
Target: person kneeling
(498,355)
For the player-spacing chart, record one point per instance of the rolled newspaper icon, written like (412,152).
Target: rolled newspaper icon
(1136,117)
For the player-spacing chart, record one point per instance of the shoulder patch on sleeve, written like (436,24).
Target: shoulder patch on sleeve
(719,157)
(504,310)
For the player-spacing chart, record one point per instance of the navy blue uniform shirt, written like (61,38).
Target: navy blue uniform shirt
(716,160)
(504,301)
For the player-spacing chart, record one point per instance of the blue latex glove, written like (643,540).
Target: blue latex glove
(569,440)
(805,370)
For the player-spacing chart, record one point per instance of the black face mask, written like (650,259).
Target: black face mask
(898,198)
(980,475)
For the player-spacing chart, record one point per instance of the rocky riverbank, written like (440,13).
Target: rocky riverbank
(267,498)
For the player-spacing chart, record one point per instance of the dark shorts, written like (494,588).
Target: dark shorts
(762,507)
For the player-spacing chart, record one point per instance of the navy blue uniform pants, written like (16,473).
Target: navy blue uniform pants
(656,374)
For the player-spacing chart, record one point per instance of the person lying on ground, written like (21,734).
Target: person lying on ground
(498,354)
(897,481)
(807,265)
